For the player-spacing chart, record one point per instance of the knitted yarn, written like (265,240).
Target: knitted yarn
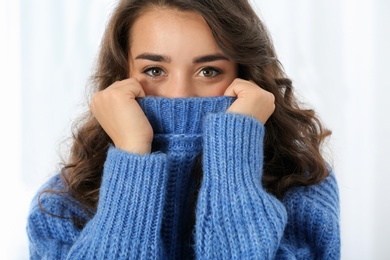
(178,125)
(146,206)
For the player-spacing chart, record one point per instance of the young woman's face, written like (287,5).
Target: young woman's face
(174,54)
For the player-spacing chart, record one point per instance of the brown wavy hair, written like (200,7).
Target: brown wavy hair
(294,135)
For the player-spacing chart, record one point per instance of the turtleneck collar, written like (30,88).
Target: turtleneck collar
(177,122)
(178,126)
(181,115)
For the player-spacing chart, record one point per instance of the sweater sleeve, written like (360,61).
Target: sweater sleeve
(127,221)
(313,230)
(236,218)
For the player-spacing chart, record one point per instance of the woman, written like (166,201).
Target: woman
(195,147)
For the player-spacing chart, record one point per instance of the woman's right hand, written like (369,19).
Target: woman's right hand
(122,118)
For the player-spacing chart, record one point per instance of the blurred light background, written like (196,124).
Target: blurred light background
(336,52)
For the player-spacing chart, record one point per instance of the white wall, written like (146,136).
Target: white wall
(337,53)
(47,52)
(334,50)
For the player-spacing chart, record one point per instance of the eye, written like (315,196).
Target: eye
(209,72)
(154,72)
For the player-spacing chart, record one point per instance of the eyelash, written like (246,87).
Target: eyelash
(215,70)
(148,71)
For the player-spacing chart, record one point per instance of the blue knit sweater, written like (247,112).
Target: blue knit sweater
(151,208)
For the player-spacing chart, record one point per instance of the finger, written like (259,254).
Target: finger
(232,89)
(140,93)
(237,87)
(230,92)
(136,90)
(130,86)
(92,106)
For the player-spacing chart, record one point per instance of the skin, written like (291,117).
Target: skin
(172,54)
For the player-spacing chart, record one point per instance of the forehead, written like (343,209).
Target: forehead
(172,32)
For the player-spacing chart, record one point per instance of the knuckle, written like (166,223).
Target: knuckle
(237,80)
(114,95)
(95,97)
(258,92)
(272,97)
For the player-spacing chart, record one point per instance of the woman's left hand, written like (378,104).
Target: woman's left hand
(251,100)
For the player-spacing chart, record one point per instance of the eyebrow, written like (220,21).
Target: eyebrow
(153,57)
(163,58)
(209,58)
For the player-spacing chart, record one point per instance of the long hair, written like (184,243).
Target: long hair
(293,137)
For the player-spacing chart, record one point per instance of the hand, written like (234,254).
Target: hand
(122,118)
(251,100)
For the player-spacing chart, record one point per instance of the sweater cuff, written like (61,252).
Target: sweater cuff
(233,143)
(234,211)
(129,177)
(132,193)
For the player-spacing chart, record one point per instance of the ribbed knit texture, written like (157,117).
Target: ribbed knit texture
(145,207)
